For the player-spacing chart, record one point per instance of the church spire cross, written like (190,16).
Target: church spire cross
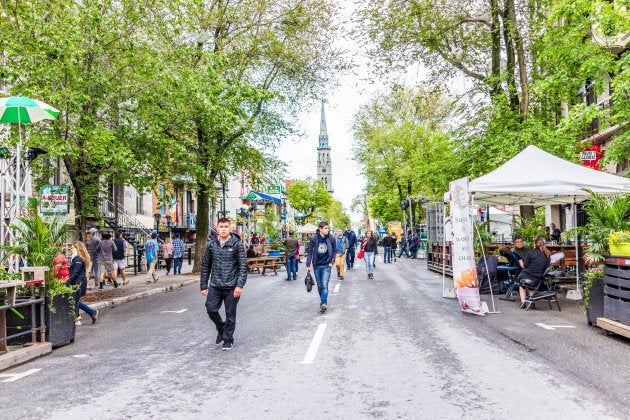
(323,132)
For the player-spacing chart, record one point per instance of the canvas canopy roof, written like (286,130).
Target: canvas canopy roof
(535,177)
(307,228)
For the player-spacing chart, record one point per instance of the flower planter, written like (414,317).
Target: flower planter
(60,326)
(617,290)
(620,249)
(595,307)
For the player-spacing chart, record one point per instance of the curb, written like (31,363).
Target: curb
(141,295)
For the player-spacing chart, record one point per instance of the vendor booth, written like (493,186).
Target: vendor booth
(535,177)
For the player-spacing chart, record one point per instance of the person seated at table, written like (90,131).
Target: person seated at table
(520,250)
(251,252)
(536,262)
(555,232)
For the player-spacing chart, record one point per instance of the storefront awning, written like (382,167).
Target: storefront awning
(253,194)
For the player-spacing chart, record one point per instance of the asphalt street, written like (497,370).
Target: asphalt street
(391,347)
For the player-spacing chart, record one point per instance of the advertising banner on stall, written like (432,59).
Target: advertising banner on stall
(54,199)
(464,268)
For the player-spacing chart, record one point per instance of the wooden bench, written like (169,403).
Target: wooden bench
(273,262)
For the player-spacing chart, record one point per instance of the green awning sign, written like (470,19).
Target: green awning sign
(273,189)
(250,196)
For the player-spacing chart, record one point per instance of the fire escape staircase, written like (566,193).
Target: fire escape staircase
(133,230)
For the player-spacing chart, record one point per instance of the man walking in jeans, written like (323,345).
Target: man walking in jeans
(290,247)
(321,255)
(225,263)
(352,243)
(178,254)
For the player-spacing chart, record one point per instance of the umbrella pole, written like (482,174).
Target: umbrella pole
(18,183)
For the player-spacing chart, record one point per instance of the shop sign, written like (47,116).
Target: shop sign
(273,189)
(591,156)
(54,199)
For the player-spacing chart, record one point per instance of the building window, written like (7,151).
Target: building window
(189,202)
(139,203)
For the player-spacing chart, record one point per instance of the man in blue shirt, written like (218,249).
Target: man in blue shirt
(151,250)
(321,255)
(352,243)
(178,254)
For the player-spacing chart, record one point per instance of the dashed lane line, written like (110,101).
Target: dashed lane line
(311,353)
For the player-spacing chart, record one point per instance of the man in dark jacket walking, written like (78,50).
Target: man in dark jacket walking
(225,263)
(352,243)
(321,256)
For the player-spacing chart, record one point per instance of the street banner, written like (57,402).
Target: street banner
(463,253)
(54,199)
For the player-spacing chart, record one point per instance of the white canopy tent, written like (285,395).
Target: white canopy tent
(307,228)
(535,177)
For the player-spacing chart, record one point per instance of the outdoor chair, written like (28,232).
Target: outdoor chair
(512,271)
(544,289)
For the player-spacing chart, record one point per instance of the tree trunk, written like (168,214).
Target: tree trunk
(203,223)
(522,67)
(508,31)
(528,212)
(495,36)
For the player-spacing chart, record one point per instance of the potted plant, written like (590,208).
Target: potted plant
(619,243)
(38,243)
(593,293)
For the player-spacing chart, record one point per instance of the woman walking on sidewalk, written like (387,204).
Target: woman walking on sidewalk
(167,253)
(370,250)
(79,265)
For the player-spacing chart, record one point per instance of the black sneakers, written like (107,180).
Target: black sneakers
(227,345)
(95,316)
(219,339)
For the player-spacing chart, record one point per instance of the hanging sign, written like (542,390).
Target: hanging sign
(464,269)
(274,189)
(591,156)
(55,199)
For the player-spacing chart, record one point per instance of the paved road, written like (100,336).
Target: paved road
(390,348)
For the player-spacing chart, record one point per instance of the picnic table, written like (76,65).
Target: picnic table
(266,262)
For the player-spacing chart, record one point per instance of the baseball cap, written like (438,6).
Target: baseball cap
(93,230)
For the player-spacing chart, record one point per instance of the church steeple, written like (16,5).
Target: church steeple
(324,164)
(323,132)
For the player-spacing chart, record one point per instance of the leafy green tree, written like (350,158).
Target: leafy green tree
(89,59)
(232,82)
(336,216)
(402,149)
(309,196)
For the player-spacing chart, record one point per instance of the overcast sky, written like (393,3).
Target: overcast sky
(341,104)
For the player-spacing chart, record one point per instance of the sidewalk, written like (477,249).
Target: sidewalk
(138,288)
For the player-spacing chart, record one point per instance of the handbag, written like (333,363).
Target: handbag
(309,282)
(361,254)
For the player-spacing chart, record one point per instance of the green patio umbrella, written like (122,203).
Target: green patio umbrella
(21,110)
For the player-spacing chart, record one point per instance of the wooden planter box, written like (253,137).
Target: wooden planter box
(617,290)
(595,307)
(60,326)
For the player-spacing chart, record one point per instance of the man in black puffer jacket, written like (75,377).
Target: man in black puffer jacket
(225,263)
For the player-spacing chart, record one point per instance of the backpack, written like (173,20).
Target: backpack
(488,279)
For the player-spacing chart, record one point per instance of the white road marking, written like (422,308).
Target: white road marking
(552,327)
(309,357)
(15,376)
(181,311)
(336,289)
(79,356)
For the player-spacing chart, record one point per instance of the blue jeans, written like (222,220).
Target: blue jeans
(85,309)
(291,266)
(369,262)
(403,249)
(177,265)
(350,257)
(387,254)
(322,276)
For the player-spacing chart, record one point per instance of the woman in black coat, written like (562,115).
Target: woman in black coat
(536,262)
(80,261)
